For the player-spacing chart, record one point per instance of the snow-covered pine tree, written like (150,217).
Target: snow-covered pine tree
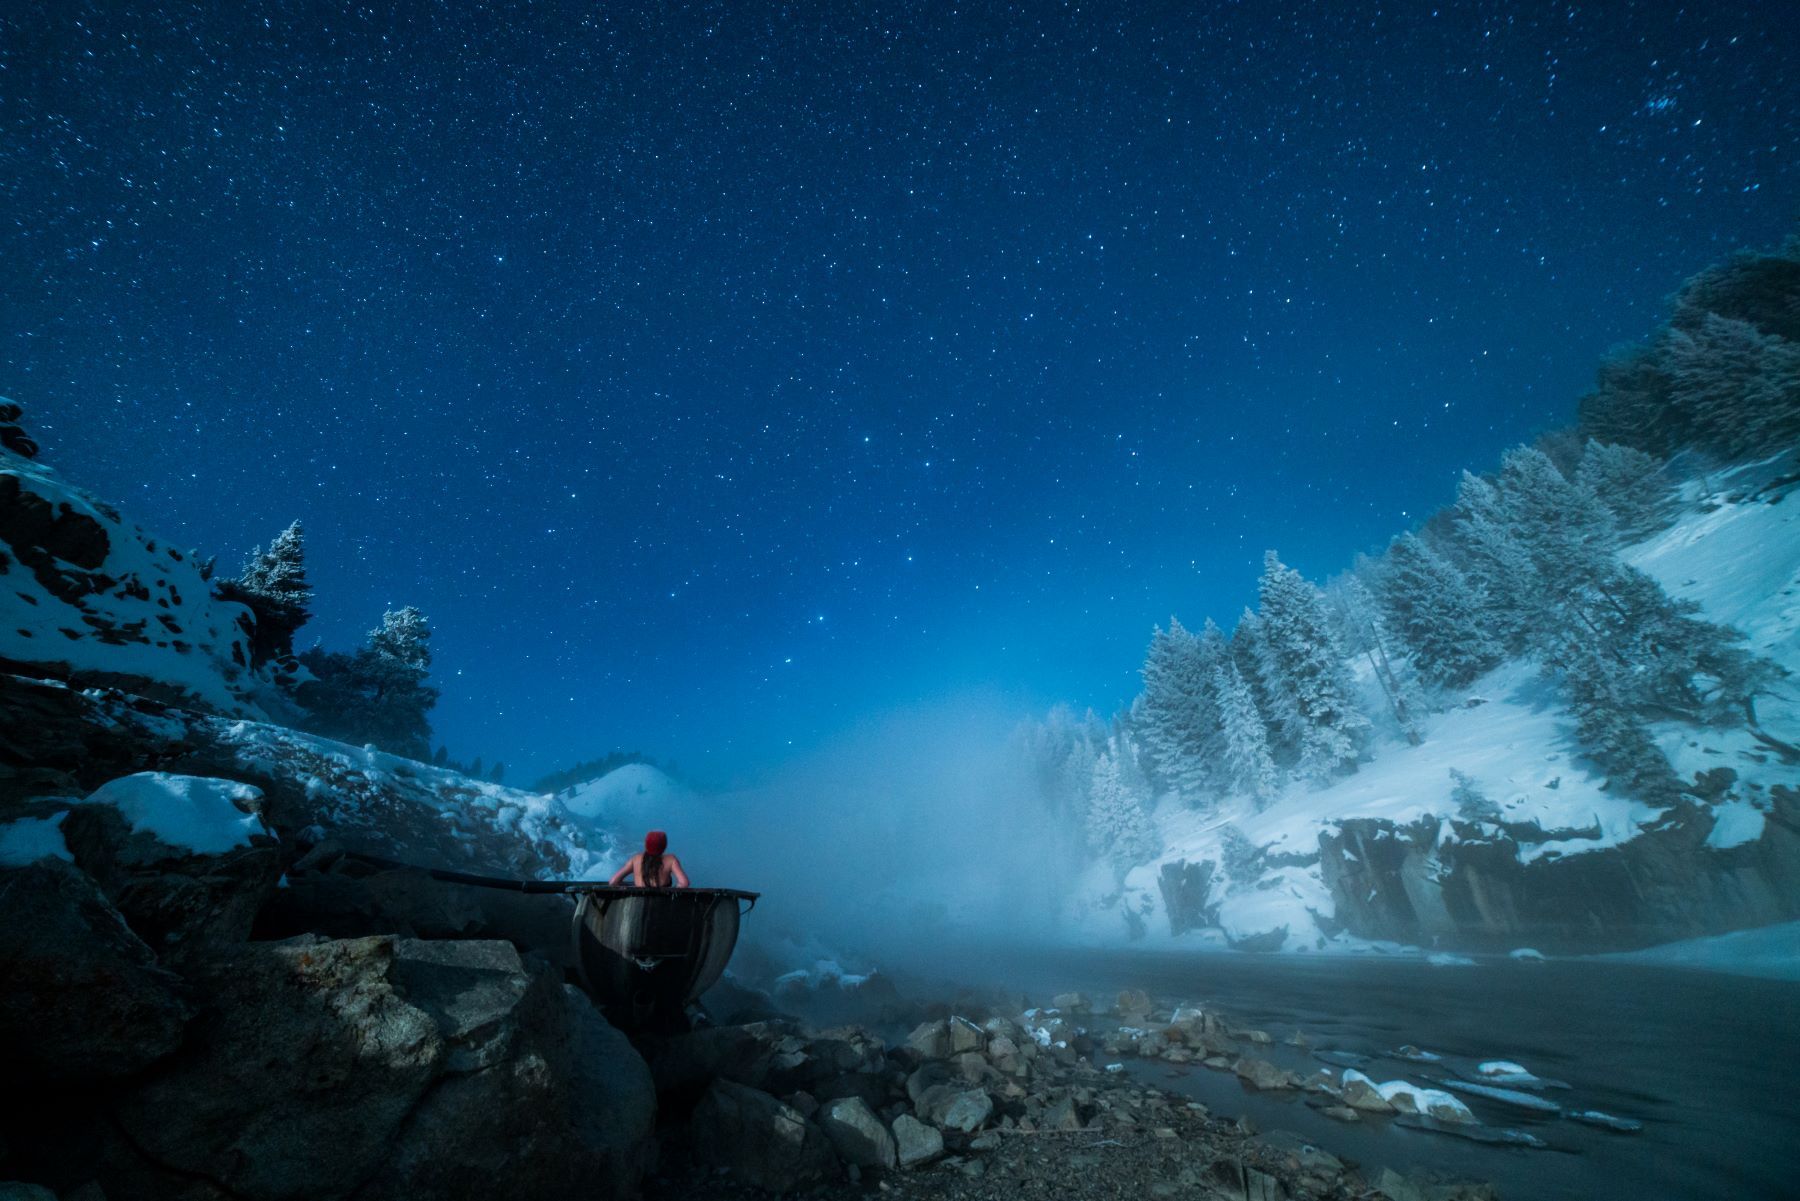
(1179,715)
(1496,563)
(1437,612)
(1313,699)
(1607,725)
(1362,630)
(1630,484)
(1245,765)
(1118,824)
(1735,387)
(1247,656)
(273,586)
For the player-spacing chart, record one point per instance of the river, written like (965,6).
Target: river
(1706,1061)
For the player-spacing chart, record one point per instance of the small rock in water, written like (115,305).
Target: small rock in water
(1342,1113)
(1417,1056)
(1593,1117)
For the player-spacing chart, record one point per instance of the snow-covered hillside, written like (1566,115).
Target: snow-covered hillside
(85,595)
(1736,553)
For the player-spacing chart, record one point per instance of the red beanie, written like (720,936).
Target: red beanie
(656,842)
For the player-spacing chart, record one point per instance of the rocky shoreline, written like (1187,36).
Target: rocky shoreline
(986,1104)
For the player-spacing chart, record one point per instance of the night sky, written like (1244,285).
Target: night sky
(719,377)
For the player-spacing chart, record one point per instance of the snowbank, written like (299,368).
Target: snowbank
(204,815)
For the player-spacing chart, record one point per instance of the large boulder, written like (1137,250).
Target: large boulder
(758,1139)
(857,1133)
(186,859)
(916,1144)
(83,998)
(392,1069)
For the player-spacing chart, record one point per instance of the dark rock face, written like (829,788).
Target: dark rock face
(84,999)
(389,1069)
(180,903)
(759,1139)
(1184,889)
(1395,882)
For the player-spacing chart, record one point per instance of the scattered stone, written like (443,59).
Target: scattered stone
(1133,1004)
(1072,1002)
(1063,1115)
(931,1040)
(1593,1117)
(1260,1073)
(969,1111)
(916,1144)
(860,1138)
(1360,1092)
(966,1037)
(1234,1178)
(1342,1113)
(985,1142)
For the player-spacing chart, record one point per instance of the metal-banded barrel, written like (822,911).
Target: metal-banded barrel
(646,954)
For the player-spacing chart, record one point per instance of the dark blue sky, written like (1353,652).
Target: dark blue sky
(717,376)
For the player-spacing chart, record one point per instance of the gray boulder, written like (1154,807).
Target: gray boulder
(966,1036)
(916,1143)
(931,1040)
(84,998)
(857,1133)
(761,1141)
(968,1111)
(1260,1073)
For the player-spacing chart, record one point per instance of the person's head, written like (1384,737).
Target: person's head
(655,842)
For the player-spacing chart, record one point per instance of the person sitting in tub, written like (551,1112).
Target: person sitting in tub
(650,867)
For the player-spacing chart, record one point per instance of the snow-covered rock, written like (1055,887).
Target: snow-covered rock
(88,597)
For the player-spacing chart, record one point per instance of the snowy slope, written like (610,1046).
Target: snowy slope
(85,595)
(1738,558)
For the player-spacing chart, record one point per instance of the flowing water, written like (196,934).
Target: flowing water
(1706,1062)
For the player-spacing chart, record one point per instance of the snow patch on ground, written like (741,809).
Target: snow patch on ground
(205,815)
(30,839)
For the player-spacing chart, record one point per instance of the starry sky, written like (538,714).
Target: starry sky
(719,377)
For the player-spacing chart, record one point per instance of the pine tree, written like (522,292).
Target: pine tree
(379,694)
(1607,725)
(1179,714)
(1496,563)
(1736,387)
(273,586)
(1117,823)
(1437,612)
(1631,486)
(1314,706)
(1245,766)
